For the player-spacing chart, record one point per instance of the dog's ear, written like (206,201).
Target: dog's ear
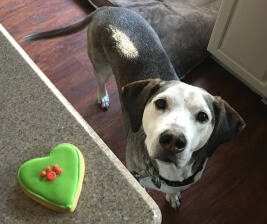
(134,98)
(228,124)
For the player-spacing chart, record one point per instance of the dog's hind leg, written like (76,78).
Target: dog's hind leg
(102,76)
(102,71)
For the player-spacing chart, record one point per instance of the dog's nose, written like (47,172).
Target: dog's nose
(171,142)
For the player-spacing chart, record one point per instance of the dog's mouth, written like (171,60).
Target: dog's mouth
(169,159)
(165,156)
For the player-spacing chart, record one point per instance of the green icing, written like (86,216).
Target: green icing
(60,192)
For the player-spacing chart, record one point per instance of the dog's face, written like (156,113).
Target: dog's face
(179,119)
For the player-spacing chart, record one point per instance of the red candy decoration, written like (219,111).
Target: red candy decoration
(51,176)
(55,167)
(48,169)
(59,171)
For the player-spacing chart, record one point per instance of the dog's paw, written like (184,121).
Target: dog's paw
(104,102)
(174,200)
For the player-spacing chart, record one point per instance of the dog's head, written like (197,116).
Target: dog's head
(179,119)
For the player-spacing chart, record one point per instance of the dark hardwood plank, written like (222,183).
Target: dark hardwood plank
(234,187)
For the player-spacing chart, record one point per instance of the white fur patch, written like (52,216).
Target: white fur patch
(123,43)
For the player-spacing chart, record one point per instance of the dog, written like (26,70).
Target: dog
(172,127)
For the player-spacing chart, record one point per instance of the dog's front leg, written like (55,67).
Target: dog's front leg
(174,199)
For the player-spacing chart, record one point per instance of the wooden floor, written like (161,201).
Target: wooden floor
(233,189)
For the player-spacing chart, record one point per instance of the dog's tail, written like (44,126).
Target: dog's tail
(74,28)
(101,3)
(93,4)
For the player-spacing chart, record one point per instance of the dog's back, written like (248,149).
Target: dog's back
(133,48)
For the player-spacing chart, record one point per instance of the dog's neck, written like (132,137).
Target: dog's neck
(137,158)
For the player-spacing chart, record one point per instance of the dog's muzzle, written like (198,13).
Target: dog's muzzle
(172,143)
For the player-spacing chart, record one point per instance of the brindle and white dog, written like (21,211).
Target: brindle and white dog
(172,127)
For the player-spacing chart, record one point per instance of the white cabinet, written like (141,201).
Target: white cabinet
(239,41)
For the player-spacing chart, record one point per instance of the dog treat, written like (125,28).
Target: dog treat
(54,181)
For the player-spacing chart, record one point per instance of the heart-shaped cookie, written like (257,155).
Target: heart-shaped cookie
(54,181)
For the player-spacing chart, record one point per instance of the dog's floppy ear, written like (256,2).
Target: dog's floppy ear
(228,124)
(134,98)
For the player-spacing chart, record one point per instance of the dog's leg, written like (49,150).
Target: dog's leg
(174,200)
(102,94)
(102,71)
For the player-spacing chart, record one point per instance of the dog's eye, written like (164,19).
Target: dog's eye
(202,117)
(161,104)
